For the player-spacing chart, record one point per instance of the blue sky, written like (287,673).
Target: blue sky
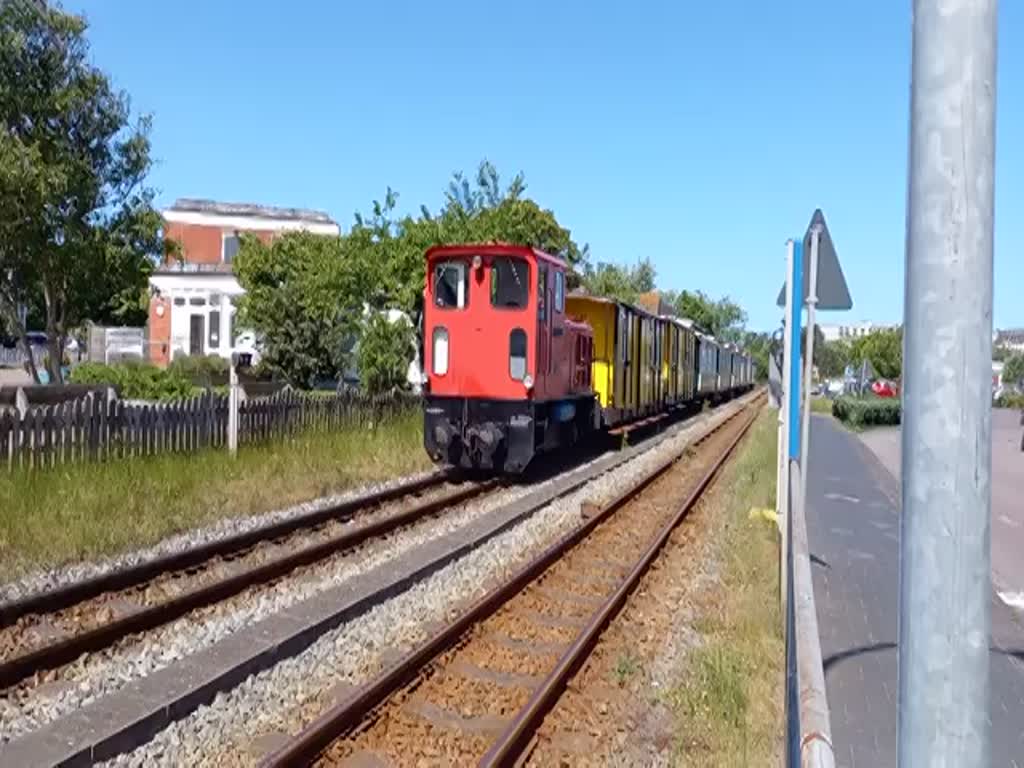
(701,135)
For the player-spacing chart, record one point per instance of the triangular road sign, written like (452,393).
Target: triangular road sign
(832,291)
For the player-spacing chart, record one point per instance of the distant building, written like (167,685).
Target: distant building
(838,332)
(192,304)
(1012,339)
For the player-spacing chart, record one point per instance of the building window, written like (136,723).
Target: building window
(214,328)
(229,246)
(179,301)
(197,301)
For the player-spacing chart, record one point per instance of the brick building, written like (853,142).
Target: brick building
(192,297)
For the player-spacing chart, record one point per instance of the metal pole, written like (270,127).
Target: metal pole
(945,620)
(783,480)
(793,360)
(805,420)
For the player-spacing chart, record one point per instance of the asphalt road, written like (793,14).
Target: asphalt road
(1007,496)
(853,529)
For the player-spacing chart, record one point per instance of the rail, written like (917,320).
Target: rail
(345,716)
(808,725)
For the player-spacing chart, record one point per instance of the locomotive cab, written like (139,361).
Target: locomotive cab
(507,372)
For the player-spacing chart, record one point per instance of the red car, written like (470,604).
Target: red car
(883,389)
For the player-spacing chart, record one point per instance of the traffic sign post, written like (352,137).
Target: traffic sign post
(815,279)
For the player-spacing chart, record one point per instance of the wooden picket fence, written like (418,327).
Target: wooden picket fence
(97,429)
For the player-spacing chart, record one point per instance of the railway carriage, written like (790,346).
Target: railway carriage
(515,367)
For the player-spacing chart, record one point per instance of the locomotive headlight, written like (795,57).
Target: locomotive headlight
(478,262)
(528,381)
(440,350)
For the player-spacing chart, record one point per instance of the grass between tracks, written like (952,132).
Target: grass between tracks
(82,511)
(728,700)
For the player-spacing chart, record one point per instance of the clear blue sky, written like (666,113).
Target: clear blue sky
(701,135)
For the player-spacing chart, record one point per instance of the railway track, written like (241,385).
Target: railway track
(479,688)
(49,629)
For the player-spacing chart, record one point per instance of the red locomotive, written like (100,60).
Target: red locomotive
(508,372)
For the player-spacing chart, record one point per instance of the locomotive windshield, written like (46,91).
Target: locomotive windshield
(450,284)
(510,283)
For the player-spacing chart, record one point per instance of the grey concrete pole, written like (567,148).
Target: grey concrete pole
(944,620)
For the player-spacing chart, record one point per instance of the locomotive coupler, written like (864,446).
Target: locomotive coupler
(484,441)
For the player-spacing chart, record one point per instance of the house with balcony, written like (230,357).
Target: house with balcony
(193,295)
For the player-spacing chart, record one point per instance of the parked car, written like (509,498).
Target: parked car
(248,348)
(38,340)
(883,388)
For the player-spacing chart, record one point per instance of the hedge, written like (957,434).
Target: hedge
(867,411)
(135,381)
(1010,400)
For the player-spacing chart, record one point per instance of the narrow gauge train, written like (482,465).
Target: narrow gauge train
(515,367)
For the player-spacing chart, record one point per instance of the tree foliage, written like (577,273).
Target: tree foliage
(722,318)
(306,294)
(385,349)
(302,299)
(883,349)
(1013,370)
(617,281)
(78,230)
(759,347)
(832,357)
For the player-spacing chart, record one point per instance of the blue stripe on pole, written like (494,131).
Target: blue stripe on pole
(794,362)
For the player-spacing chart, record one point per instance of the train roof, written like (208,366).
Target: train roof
(493,249)
(605,300)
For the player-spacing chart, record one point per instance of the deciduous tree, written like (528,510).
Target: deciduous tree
(619,281)
(1013,370)
(78,230)
(306,294)
(883,349)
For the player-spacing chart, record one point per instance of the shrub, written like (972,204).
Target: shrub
(135,381)
(1010,400)
(199,367)
(385,350)
(867,411)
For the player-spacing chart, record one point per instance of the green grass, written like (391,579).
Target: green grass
(81,511)
(626,666)
(821,405)
(728,699)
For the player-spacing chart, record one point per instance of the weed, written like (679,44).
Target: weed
(626,666)
(728,697)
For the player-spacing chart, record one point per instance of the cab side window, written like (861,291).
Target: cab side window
(542,293)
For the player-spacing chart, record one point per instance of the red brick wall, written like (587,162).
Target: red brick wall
(160,332)
(201,243)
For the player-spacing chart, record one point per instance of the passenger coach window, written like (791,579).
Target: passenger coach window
(450,284)
(510,283)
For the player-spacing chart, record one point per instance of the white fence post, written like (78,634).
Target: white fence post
(233,407)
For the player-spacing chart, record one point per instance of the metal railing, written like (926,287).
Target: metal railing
(808,726)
